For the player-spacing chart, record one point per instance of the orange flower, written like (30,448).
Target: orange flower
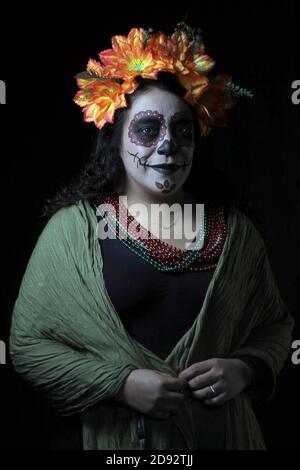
(161,48)
(94,72)
(171,51)
(180,43)
(190,55)
(178,55)
(101,98)
(214,102)
(201,62)
(104,84)
(181,55)
(195,84)
(129,57)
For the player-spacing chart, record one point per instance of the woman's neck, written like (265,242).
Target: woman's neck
(138,196)
(170,207)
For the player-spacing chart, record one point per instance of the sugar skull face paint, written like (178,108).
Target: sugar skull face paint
(158,142)
(147,128)
(182,127)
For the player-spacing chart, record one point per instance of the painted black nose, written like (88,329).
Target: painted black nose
(166,148)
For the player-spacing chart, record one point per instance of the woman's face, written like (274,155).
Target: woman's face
(158,142)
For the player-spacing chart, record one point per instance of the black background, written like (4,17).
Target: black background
(44,142)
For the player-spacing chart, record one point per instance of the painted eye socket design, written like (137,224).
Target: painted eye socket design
(183,130)
(147,128)
(148,132)
(182,127)
(183,133)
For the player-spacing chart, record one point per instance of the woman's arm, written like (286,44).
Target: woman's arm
(72,380)
(262,335)
(58,342)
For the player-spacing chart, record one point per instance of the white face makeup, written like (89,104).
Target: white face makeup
(158,142)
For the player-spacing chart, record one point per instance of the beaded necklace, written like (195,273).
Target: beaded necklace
(155,251)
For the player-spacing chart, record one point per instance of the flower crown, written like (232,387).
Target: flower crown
(104,85)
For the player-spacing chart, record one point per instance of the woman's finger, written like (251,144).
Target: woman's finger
(202,380)
(196,369)
(175,384)
(207,393)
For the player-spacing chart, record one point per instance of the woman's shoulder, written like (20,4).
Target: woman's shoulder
(67,220)
(64,232)
(248,226)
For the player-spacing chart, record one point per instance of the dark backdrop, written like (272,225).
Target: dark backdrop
(44,142)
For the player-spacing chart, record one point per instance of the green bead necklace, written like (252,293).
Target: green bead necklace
(138,248)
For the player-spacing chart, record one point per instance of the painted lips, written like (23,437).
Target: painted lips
(165,168)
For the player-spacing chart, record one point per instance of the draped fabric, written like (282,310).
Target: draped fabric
(69,343)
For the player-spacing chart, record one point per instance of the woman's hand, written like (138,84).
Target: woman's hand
(153,393)
(216,381)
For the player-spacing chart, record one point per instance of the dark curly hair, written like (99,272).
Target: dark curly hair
(104,172)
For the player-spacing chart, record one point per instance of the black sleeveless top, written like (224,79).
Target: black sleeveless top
(156,307)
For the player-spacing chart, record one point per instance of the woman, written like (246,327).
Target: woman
(155,342)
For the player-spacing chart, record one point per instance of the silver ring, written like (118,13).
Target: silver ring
(212,389)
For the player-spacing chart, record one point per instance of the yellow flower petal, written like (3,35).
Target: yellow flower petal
(95,68)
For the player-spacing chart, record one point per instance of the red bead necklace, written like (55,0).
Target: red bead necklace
(160,254)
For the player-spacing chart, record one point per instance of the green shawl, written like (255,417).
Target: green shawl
(68,341)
